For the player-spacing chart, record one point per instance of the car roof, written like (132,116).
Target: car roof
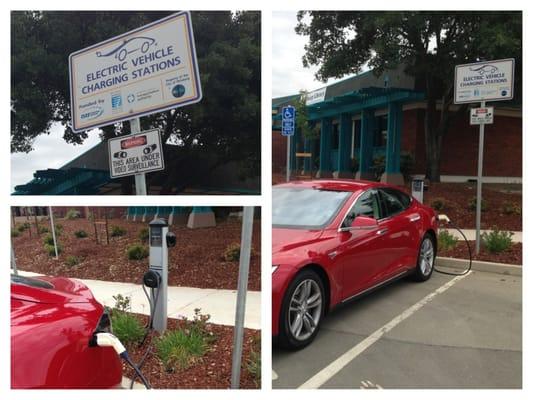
(347,185)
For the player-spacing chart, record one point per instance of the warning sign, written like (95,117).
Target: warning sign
(483,115)
(136,154)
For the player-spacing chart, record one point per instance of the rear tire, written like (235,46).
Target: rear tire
(426,259)
(302,310)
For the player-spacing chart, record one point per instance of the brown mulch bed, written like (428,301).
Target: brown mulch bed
(511,256)
(458,195)
(196,261)
(212,371)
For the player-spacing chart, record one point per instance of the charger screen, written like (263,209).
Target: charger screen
(156,237)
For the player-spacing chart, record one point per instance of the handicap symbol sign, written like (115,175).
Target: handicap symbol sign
(287,120)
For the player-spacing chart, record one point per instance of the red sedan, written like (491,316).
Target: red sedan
(335,240)
(52,322)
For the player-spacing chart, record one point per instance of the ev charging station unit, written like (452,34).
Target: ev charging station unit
(417,189)
(156,278)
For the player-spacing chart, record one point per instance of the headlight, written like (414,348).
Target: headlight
(274,268)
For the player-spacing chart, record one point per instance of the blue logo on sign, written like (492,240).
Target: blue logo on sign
(116,101)
(476,92)
(178,90)
(504,92)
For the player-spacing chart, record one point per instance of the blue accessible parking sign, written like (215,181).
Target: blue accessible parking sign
(287,120)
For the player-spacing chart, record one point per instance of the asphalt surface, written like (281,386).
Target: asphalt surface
(468,336)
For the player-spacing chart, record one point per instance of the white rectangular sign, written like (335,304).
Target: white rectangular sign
(484,81)
(316,96)
(146,70)
(480,116)
(135,154)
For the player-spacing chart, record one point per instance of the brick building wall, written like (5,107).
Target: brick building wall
(279,152)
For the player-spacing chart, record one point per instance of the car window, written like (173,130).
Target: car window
(394,201)
(366,205)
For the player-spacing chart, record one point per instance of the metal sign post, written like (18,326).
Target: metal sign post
(242,285)
(53,230)
(140,179)
(288,115)
(479,183)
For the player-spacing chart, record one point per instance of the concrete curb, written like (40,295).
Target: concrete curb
(483,266)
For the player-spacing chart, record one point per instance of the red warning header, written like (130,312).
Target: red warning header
(133,142)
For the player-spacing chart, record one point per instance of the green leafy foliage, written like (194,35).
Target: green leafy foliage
(472,204)
(446,241)
(81,234)
(15,233)
(144,234)
(72,261)
(117,231)
(511,208)
(253,364)
(50,250)
(439,203)
(137,252)
(122,303)
(497,241)
(48,239)
(72,214)
(126,327)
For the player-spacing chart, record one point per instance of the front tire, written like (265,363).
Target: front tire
(426,259)
(302,310)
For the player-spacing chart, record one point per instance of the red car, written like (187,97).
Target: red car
(52,322)
(335,240)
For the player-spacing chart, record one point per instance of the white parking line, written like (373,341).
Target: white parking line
(333,368)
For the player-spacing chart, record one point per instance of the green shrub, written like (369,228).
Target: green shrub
(472,204)
(446,241)
(80,234)
(48,239)
(21,227)
(59,229)
(117,231)
(122,303)
(42,230)
(51,251)
(510,208)
(25,225)
(71,261)
(144,233)
(178,349)
(232,252)
(438,203)
(72,214)
(15,233)
(126,327)
(137,252)
(497,241)
(253,364)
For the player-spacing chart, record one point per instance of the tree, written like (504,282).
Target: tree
(225,124)
(427,45)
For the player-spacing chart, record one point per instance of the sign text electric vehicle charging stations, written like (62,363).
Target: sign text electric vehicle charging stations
(157,276)
(146,70)
(288,115)
(481,82)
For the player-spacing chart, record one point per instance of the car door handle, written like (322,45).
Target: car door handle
(382,231)
(414,218)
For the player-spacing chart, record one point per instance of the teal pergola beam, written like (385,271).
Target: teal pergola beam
(366,145)
(345,131)
(326,131)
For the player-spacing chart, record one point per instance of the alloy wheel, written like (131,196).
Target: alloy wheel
(305,309)
(427,256)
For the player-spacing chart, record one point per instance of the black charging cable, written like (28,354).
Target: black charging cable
(466,271)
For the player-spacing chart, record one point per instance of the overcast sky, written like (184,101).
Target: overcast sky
(288,74)
(50,151)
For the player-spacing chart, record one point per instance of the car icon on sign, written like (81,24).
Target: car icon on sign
(120,154)
(132,45)
(485,69)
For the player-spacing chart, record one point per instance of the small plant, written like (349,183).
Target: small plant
(126,327)
(122,303)
(48,239)
(59,229)
(438,204)
(137,252)
(50,250)
(472,204)
(80,234)
(72,261)
(72,214)
(15,233)
(42,230)
(178,349)
(232,252)
(25,225)
(144,234)
(253,365)
(510,208)
(117,231)
(497,241)
(446,240)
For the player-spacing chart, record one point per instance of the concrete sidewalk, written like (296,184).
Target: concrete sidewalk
(471,234)
(182,301)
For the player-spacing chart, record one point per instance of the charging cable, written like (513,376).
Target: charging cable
(444,218)
(105,339)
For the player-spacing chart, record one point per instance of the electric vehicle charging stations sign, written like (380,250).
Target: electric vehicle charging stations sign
(484,115)
(134,154)
(146,70)
(484,81)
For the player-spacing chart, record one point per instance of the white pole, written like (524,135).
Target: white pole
(53,229)
(140,179)
(288,158)
(13,260)
(242,286)
(479,183)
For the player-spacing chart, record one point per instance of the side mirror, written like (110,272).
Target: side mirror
(362,222)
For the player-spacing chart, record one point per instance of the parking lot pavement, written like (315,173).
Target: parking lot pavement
(417,335)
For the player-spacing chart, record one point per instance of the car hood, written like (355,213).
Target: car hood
(49,290)
(287,240)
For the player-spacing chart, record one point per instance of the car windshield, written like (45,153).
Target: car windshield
(305,207)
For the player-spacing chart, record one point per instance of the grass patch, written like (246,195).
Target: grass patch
(81,234)
(50,250)
(126,327)
(143,235)
(72,261)
(253,364)
(117,231)
(497,241)
(137,252)
(446,240)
